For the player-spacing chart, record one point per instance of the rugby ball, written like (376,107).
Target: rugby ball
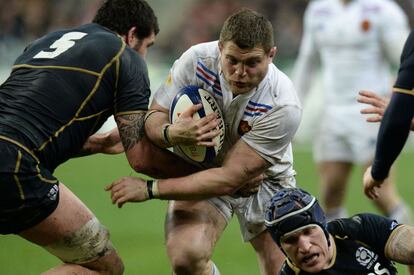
(191,95)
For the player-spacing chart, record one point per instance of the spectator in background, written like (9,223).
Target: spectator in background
(355,42)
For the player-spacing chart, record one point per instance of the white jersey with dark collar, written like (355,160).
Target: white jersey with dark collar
(266,118)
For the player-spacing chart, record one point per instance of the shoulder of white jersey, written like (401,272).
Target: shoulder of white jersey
(277,90)
(318,8)
(205,50)
(383,5)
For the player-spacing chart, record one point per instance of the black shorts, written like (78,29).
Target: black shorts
(28,192)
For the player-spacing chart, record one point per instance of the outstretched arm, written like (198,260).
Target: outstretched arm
(242,164)
(393,133)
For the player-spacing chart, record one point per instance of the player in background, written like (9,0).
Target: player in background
(354,42)
(362,244)
(261,113)
(60,91)
(408,8)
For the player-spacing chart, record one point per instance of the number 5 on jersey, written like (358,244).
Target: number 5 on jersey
(61,45)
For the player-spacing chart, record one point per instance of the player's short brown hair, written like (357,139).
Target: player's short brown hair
(248,29)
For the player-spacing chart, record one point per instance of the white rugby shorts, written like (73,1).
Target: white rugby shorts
(250,211)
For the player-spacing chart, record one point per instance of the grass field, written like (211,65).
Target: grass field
(137,229)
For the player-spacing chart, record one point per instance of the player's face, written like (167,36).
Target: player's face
(307,248)
(244,69)
(141,45)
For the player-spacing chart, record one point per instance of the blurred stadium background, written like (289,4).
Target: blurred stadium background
(137,229)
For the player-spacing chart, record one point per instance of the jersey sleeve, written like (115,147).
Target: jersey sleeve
(395,125)
(372,230)
(181,74)
(133,90)
(271,135)
(308,59)
(394,30)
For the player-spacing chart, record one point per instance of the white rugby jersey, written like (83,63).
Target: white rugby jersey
(266,118)
(355,44)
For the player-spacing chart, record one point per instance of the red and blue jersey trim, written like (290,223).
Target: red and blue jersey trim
(209,77)
(256,109)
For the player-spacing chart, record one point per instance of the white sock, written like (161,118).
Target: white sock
(336,213)
(214,270)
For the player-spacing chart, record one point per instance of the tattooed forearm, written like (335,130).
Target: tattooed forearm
(400,246)
(131,129)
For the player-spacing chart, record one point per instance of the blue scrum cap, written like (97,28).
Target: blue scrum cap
(290,209)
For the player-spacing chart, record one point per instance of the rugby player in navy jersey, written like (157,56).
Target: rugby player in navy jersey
(396,123)
(60,91)
(362,244)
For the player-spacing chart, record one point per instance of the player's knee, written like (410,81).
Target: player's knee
(89,246)
(187,259)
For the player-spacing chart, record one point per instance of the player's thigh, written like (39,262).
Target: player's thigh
(70,215)
(74,235)
(334,172)
(29,192)
(193,226)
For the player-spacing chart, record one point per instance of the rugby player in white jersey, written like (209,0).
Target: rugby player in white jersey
(261,112)
(354,42)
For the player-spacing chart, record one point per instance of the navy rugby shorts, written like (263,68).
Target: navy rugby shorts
(29,192)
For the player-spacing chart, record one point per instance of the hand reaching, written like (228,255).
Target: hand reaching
(371,185)
(128,189)
(107,143)
(378,105)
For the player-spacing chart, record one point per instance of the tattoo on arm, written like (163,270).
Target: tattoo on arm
(131,129)
(400,246)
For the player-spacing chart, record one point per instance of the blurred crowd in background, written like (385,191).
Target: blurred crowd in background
(182,22)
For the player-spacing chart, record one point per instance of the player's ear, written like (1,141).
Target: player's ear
(220,44)
(272,54)
(131,37)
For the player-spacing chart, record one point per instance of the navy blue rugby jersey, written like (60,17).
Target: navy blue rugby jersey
(64,86)
(360,242)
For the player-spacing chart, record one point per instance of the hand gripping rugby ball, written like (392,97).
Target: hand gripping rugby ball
(191,95)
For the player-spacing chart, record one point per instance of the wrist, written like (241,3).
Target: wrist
(378,178)
(152,189)
(165,133)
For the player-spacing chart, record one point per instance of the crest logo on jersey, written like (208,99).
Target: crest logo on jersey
(365,25)
(52,194)
(244,127)
(365,257)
